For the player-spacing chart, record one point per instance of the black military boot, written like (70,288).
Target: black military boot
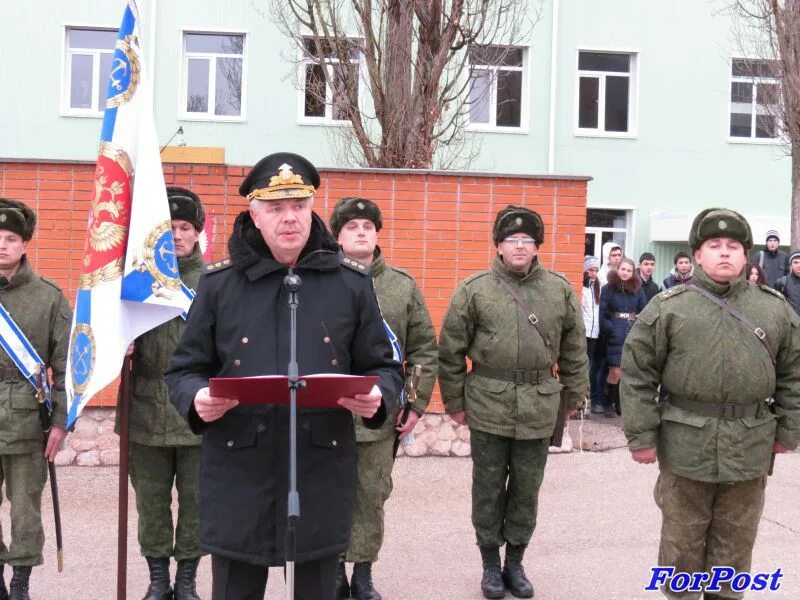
(3,588)
(361,582)
(185,580)
(492,581)
(514,573)
(19,584)
(159,588)
(342,587)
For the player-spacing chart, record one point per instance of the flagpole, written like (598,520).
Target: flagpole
(122,526)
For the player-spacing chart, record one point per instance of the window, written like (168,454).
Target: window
(323,103)
(605,225)
(88,63)
(496,86)
(213,67)
(755,99)
(606,92)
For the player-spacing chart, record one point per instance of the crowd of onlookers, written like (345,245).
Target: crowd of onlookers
(616,290)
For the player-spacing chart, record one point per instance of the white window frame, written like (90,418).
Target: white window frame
(629,230)
(751,139)
(327,120)
(66,70)
(633,95)
(184,114)
(492,126)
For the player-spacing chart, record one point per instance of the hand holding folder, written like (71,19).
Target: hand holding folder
(322,390)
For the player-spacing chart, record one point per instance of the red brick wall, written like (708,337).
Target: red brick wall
(436,224)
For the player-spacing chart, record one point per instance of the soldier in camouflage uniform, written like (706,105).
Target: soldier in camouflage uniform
(163,451)
(42,313)
(355,222)
(510,398)
(714,434)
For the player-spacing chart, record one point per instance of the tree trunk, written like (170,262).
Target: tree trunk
(795,215)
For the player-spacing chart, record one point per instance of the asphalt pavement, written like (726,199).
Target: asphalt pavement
(596,537)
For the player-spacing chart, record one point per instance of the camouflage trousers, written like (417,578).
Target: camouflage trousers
(374,484)
(23,476)
(707,524)
(506,477)
(153,470)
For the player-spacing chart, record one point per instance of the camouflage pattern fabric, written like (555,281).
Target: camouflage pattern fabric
(706,525)
(506,477)
(24,476)
(484,323)
(153,470)
(374,485)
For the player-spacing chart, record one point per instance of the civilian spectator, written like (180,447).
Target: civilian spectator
(789,285)
(755,275)
(591,322)
(647,264)
(612,254)
(681,273)
(773,261)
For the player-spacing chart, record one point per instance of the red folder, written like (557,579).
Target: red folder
(320,391)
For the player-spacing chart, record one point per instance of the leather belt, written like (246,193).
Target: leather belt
(518,376)
(727,410)
(10,374)
(626,315)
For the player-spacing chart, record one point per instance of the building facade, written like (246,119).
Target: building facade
(649,99)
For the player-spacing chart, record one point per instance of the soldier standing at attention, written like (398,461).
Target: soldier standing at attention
(42,317)
(516,322)
(163,450)
(722,347)
(355,222)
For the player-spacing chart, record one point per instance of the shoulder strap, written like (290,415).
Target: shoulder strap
(532,318)
(761,259)
(737,314)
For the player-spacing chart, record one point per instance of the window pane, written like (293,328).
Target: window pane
(479,98)
(617,90)
(741,92)
(197,85)
(587,102)
(80,95)
(766,126)
(601,217)
(740,124)
(496,56)
(105,71)
(98,39)
(228,95)
(767,94)
(315,91)
(341,102)
(604,61)
(618,237)
(754,68)
(509,98)
(209,42)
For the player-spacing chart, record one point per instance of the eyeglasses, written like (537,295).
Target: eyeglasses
(514,241)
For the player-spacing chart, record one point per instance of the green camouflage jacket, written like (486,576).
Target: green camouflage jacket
(40,310)
(700,352)
(484,323)
(153,419)
(403,308)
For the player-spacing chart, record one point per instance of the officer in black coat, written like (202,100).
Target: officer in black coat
(238,326)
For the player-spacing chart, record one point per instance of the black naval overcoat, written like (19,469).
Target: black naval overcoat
(238,326)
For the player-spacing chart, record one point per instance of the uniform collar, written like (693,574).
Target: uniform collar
(22,276)
(193,261)
(378,263)
(500,268)
(720,289)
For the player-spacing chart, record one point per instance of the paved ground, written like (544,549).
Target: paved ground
(596,539)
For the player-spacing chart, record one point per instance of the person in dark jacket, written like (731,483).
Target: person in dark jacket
(775,262)
(647,264)
(789,285)
(621,299)
(681,273)
(238,326)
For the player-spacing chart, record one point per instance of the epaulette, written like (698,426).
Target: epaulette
(51,283)
(403,272)
(354,265)
(218,266)
(560,276)
(764,287)
(671,292)
(475,276)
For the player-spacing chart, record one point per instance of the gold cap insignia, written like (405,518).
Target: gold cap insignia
(286,184)
(723,224)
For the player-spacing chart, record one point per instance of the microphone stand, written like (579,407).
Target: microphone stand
(292,283)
